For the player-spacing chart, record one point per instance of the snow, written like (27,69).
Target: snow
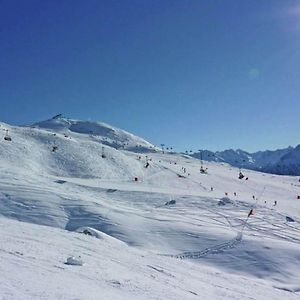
(33,267)
(131,245)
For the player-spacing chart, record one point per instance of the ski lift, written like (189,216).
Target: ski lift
(7,137)
(57,116)
(103,154)
(202,170)
(241,175)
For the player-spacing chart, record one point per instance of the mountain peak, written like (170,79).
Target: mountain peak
(105,133)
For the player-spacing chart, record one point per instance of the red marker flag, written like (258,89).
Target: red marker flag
(250,212)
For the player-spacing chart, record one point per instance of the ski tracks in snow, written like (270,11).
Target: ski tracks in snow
(210,250)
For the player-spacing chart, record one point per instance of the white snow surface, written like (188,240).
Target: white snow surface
(137,247)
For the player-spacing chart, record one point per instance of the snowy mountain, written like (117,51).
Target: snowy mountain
(282,161)
(288,163)
(101,132)
(89,211)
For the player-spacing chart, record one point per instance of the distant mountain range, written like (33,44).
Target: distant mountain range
(282,161)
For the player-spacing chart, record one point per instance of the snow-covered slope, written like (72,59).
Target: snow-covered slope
(33,266)
(190,249)
(98,131)
(282,161)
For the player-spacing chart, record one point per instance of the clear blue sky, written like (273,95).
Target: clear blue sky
(210,74)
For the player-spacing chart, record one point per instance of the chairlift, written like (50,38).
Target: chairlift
(103,154)
(57,116)
(241,175)
(202,170)
(7,137)
(54,148)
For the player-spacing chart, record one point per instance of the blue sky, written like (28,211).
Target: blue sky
(190,74)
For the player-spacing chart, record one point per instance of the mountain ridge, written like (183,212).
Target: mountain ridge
(284,161)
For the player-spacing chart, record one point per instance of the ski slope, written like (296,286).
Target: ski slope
(145,249)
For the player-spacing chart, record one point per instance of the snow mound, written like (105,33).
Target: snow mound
(171,202)
(224,201)
(74,261)
(98,234)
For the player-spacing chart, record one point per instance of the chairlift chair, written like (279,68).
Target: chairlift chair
(7,137)
(241,176)
(202,170)
(103,154)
